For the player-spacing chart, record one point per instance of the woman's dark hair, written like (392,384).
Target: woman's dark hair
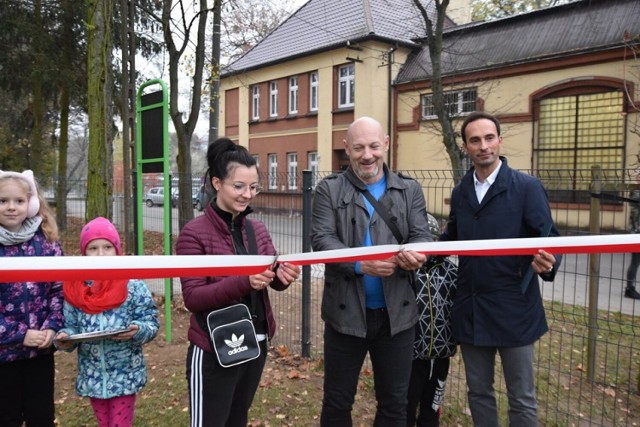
(221,155)
(477,116)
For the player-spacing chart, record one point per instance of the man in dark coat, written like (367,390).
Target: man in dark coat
(497,307)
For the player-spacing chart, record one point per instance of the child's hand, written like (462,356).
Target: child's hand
(48,339)
(63,345)
(39,339)
(133,329)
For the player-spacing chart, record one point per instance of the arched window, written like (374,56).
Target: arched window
(579,124)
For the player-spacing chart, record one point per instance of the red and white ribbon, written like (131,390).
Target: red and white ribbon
(32,269)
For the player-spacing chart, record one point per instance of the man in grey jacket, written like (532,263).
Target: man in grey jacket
(368,306)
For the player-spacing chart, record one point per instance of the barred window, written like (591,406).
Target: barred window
(456,102)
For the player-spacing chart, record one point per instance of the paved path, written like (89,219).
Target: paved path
(572,283)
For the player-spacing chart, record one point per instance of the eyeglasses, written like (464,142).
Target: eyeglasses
(240,188)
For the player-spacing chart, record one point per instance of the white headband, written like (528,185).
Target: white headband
(27,176)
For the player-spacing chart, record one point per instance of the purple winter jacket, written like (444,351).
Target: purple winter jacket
(209,234)
(29,305)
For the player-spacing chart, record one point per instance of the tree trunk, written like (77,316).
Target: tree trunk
(128,107)
(434,43)
(61,185)
(100,157)
(35,138)
(184,130)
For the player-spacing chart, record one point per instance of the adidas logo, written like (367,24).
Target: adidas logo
(235,341)
(236,344)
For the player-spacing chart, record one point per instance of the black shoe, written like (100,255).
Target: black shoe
(631,293)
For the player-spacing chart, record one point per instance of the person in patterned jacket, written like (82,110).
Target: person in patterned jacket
(434,344)
(110,370)
(30,312)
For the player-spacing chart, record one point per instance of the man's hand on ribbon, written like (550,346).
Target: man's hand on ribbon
(410,260)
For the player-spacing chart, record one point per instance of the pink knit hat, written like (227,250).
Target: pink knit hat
(99,228)
(27,176)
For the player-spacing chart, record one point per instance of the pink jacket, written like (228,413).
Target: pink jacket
(209,234)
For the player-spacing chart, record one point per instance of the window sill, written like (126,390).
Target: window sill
(343,110)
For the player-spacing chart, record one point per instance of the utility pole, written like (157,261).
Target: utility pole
(214,98)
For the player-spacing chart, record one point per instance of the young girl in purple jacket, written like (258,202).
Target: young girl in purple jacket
(30,312)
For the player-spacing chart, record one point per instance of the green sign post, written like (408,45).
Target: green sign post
(152,153)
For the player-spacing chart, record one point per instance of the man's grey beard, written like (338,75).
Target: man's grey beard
(363,175)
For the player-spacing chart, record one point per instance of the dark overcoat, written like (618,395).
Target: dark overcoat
(490,307)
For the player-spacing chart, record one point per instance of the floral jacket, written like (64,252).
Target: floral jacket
(28,305)
(108,368)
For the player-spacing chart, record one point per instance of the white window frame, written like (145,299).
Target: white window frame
(255,102)
(314,91)
(346,85)
(292,170)
(272,160)
(256,157)
(273,99)
(293,95)
(312,164)
(458,103)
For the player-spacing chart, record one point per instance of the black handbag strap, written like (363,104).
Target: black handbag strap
(380,208)
(251,237)
(384,214)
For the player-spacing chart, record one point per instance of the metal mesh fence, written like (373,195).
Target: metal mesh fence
(587,365)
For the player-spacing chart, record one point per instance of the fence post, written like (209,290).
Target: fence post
(306,269)
(594,272)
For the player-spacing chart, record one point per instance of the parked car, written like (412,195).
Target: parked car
(155,196)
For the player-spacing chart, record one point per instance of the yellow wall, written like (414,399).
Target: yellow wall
(423,149)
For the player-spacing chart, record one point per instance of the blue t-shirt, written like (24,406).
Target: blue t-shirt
(374,291)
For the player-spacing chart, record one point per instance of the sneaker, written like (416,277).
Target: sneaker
(631,293)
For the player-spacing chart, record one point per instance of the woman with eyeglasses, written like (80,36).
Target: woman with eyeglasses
(218,395)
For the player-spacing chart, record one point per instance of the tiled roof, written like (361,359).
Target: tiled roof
(326,24)
(575,28)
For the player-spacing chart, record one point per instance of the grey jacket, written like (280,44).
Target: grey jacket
(339,220)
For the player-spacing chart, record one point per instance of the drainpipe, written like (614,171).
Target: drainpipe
(389,103)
